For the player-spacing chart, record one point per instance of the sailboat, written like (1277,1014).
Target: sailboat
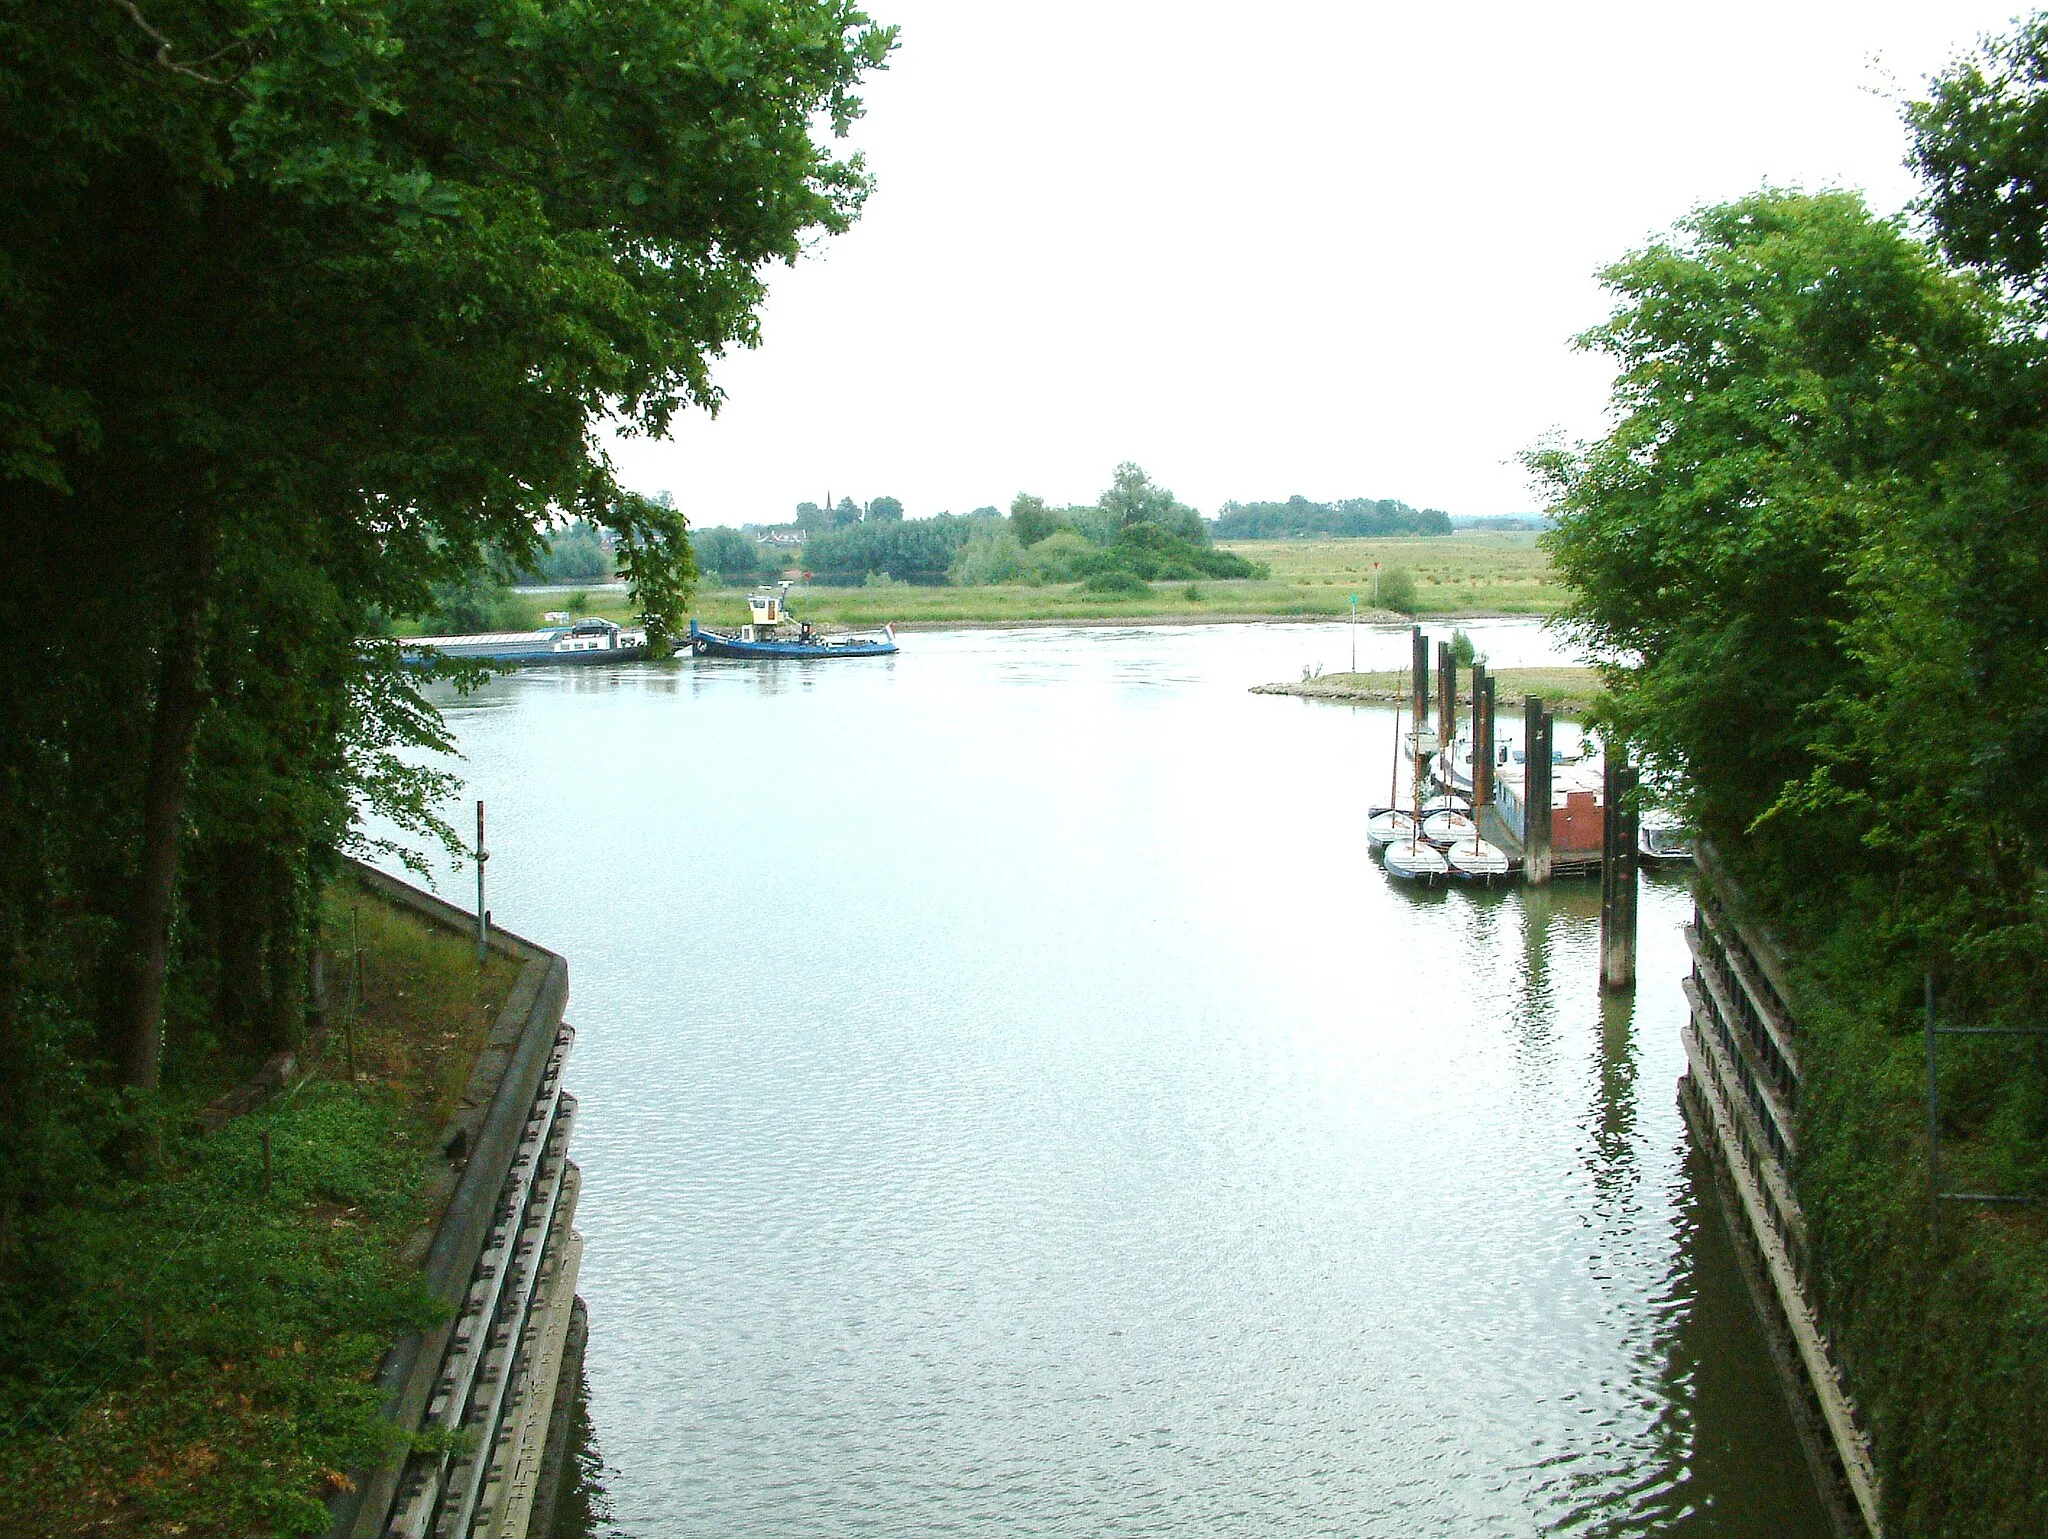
(1384,825)
(1410,858)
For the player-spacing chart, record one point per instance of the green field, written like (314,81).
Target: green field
(1455,575)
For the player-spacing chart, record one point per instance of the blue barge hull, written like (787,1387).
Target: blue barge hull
(714,644)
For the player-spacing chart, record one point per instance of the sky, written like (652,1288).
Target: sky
(1301,246)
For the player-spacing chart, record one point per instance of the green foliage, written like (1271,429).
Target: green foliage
(310,315)
(477,601)
(910,550)
(1062,556)
(269,1311)
(1463,653)
(1352,518)
(1811,558)
(1397,590)
(1117,581)
(990,555)
(1031,520)
(885,508)
(575,554)
(734,556)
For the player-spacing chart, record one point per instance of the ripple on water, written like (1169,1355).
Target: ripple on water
(1014,1103)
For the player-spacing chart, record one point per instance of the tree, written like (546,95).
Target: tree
(337,310)
(1031,520)
(847,512)
(732,555)
(1782,359)
(885,507)
(1133,499)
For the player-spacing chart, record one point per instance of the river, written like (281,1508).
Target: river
(1014,1103)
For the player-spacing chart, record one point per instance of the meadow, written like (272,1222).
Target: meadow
(1462,575)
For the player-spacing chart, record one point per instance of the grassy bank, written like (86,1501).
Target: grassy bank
(1455,575)
(1566,691)
(200,1361)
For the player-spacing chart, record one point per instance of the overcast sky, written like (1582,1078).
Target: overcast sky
(1302,246)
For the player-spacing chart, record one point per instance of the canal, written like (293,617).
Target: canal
(1015,1103)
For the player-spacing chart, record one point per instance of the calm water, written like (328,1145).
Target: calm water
(1014,1103)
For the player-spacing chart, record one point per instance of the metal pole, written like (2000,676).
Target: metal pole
(1354,633)
(483,919)
(1933,1122)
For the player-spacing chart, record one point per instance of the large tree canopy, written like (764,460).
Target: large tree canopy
(305,307)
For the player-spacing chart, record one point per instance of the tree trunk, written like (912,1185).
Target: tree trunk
(179,701)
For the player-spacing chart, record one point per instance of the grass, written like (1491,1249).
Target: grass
(1567,691)
(1455,575)
(203,1365)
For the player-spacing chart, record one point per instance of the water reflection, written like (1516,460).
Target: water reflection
(1016,1103)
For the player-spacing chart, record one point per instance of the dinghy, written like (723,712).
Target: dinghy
(1411,860)
(1448,827)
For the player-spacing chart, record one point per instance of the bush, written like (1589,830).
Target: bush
(1397,590)
(1192,594)
(992,555)
(1059,557)
(1118,581)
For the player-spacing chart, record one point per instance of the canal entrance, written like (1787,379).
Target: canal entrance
(1014,1102)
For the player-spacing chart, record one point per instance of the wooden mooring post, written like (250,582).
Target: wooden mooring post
(1482,737)
(1536,725)
(1617,873)
(1418,686)
(1446,695)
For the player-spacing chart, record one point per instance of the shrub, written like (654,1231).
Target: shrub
(1059,557)
(1117,581)
(991,555)
(1397,590)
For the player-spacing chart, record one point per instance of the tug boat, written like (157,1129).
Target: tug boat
(775,632)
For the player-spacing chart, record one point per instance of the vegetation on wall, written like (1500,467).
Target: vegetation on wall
(1811,552)
(307,307)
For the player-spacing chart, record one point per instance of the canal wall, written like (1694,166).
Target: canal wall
(1740,1094)
(484,1394)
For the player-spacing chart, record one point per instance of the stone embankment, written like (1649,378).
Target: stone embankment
(486,1393)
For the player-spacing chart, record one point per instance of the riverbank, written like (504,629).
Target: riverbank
(203,1360)
(1565,691)
(1455,577)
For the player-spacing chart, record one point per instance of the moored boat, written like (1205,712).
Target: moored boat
(1411,860)
(1661,840)
(584,641)
(1383,827)
(775,632)
(1475,860)
(1448,827)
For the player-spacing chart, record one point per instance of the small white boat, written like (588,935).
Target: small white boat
(1477,861)
(1450,801)
(1413,861)
(1387,825)
(1448,827)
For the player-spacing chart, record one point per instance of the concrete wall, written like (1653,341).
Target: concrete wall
(502,1257)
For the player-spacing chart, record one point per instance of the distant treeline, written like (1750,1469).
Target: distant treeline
(1134,533)
(1353,518)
